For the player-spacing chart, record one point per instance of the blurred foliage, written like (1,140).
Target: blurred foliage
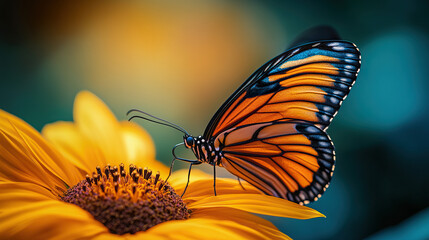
(181,60)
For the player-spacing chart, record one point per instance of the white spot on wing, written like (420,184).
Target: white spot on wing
(338,48)
(296,50)
(266,68)
(278,60)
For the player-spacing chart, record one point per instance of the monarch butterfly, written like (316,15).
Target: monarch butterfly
(271,131)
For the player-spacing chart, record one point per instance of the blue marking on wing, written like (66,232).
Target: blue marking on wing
(315,51)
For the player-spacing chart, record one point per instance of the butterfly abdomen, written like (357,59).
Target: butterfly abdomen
(205,151)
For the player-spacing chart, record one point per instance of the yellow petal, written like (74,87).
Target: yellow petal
(140,149)
(97,139)
(204,188)
(198,229)
(208,224)
(257,203)
(75,146)
(98,124)
(145,235)
(260,225)
(109,236)
(201,185)
(25,156)
(139,144)
(115,142)
(179,178)
(218,223)
(25,213)
(86,154)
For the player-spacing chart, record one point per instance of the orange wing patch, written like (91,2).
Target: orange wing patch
(229,162)
(256,148)
(241,134)
(297,110)
(310,79)
(240,111)
(274,130)
(264,108)
(285,158)
(283,176)
(315,58)
(305,160)
(289,139)
(228,111)
(305,93)
(261,117)
(299,148)
(320,74)
(322,68)
(262,170)
(301,174)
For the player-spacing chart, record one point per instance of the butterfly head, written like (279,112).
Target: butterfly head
(189,141)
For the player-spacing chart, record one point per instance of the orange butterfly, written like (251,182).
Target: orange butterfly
(272,131)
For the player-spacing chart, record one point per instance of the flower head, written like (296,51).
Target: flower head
(98,178)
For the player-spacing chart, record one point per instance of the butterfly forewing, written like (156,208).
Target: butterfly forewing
(307,83)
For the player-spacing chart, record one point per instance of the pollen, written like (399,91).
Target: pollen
(127,201)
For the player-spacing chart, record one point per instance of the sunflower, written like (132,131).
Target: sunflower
(97,178)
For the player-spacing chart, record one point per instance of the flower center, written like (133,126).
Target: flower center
(127,202)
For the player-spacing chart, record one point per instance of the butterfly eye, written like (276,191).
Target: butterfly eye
(189,141)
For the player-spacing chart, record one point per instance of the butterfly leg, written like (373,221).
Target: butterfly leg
(189,175)
(173,151)
(239,182)
(214,179)
(171,170)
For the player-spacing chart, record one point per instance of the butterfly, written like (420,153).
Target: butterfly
(271,131)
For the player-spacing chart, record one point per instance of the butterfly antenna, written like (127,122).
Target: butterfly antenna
(150,120)
(160,120)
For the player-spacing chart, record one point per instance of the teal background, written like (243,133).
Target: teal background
(180,61)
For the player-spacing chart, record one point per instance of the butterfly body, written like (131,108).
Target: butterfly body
(204,150)
(271,132)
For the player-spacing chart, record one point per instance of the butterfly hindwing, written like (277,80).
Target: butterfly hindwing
(287,159)
(307,83)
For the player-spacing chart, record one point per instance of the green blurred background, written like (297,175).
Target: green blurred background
(180,60)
